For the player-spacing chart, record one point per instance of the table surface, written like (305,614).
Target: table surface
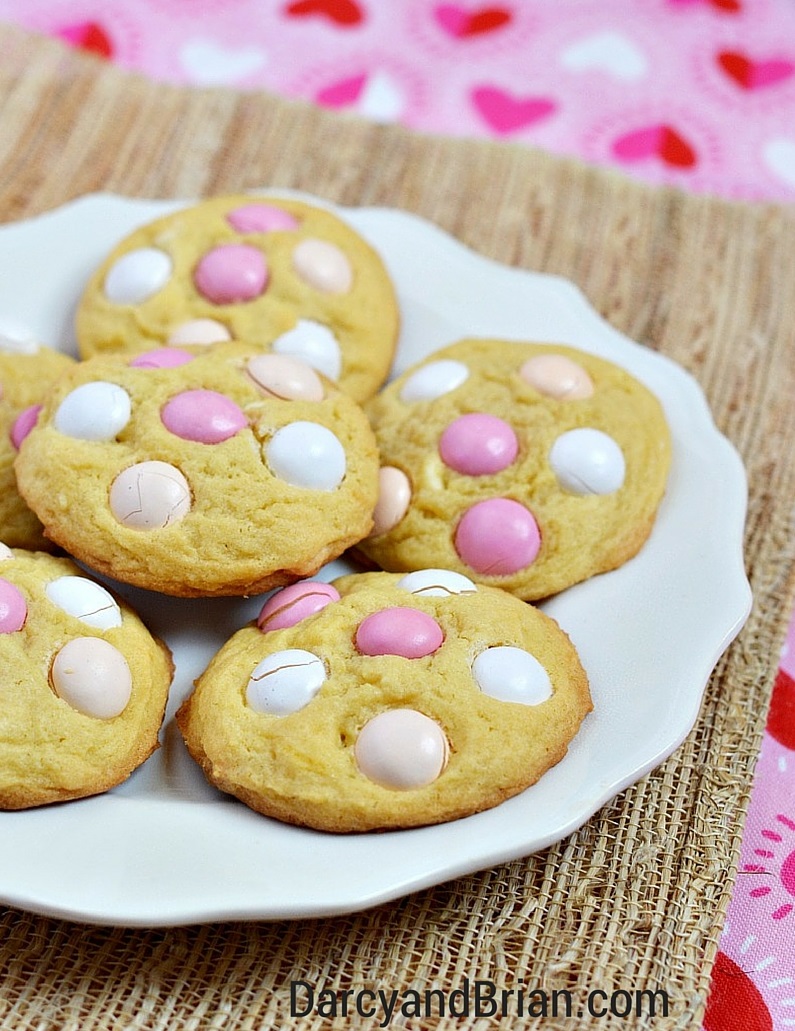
(695,94)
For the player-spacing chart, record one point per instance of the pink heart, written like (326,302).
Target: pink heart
(768,73)
(342,93)
(505,113)
(452,19)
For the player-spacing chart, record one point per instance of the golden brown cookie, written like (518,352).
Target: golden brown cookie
(384,701)
(226,474)
(526,466)
(83,683)
(27,371)
(286,275)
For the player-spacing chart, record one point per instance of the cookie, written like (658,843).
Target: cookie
(27,371)
(385,701)
(525,466)
(228,473)
(83,683)
(285,275)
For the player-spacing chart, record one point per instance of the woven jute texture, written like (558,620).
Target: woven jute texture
(636,899)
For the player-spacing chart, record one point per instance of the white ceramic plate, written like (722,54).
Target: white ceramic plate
(166,849)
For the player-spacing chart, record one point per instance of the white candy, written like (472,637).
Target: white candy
(93,677)
(587,461)
(18,345)
(511,674)
(307,454)
(199,331)
(5,552)
(433,380)
(94,411)
(137,275)
(436,583)
(314,344)
(285,682)
(85,600)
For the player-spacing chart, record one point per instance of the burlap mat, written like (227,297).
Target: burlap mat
(636,899)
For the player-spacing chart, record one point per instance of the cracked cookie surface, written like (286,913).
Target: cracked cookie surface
(280,273)
(222,473)
(525,466)
(83,683)
(385,701)
(27,371)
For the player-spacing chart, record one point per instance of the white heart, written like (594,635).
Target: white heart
(607,52)
(779,156)
(208,64)
(380,99)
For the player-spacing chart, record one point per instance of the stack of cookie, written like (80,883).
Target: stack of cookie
(212,443)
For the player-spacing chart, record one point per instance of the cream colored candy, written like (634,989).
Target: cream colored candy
(281,376)
(313,343)
(401,749)
(199,331)
(394,497)
(93,677)
(323,266)
(555,375)
(85,600)
(150,496)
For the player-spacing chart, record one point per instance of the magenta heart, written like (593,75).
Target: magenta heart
(342,93)
(768,73)
(453,19)
(506,113)
(637,145)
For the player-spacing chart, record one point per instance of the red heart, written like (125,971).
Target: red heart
(727,6)
(752,75)
(734,1000)
(460,22)
(781,718)
(88,36)
(655,141)
(341,12)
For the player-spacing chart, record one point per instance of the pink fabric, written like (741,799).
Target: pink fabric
(698,93)
(695,93)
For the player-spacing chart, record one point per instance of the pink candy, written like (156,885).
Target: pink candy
(13,609)
(407,632)
(293,604)
(478,444)
(261,218)
(203,416)
(231,273)
(497,537)
(161,358)
(23,424)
